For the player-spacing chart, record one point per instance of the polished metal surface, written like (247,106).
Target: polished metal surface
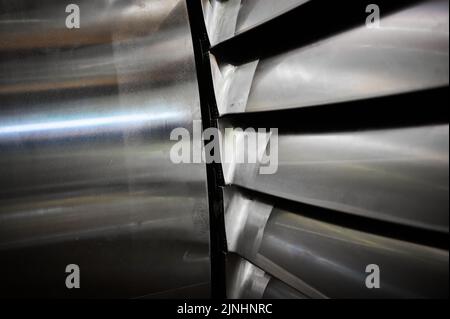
(225,19)
(386,175)
(86,176)
(398,175)
(323,260)
(389,175)
(246,281)
(85,172)
(408,52)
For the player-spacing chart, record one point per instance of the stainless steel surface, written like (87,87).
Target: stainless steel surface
(225,19)
(85,173)
(86,178)
(408,52)
(246,281)
(398,175)
(320,259)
